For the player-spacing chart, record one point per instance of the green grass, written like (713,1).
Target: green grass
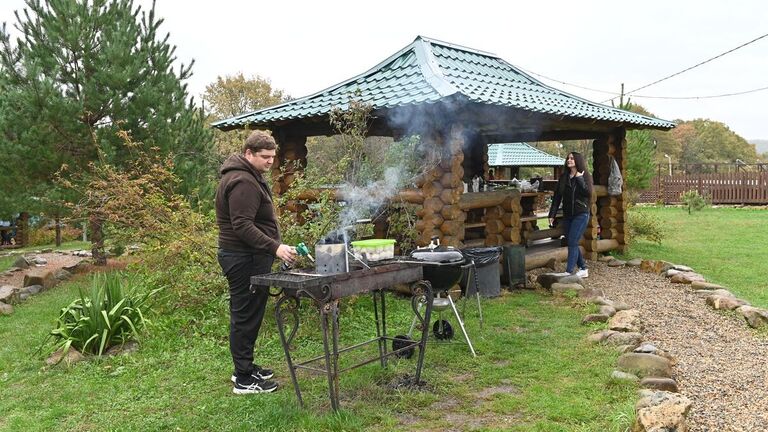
(531,349)
(729,246)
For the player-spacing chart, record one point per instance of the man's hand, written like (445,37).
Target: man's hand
(580,173)
(551,222)
(286,253)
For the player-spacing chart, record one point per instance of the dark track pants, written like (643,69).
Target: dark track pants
(246,306)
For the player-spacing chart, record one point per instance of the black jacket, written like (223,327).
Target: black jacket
(575,194)
(244,210)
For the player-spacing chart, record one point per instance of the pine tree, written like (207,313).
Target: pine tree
(82,71)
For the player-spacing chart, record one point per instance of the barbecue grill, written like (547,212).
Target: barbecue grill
(325,291)
(443,268)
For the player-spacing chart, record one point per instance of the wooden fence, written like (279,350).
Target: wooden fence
(722,188)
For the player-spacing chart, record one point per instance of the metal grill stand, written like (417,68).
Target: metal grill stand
(325,291)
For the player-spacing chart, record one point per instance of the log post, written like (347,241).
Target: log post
(22,229)
(290,159)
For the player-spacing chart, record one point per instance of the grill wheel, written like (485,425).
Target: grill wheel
(447,330)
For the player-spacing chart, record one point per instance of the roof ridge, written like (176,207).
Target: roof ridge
(430,69)
(456,46)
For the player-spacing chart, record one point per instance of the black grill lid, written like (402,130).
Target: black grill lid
(438,255)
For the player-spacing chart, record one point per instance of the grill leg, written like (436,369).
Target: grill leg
(330,353)
(381,340)
(292,309)
(384,325)
(428,298)
(335,327)
(461,324)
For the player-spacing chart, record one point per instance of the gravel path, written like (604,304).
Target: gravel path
(55,260)
(722,364)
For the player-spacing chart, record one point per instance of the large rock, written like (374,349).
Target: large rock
(718,292)
(72,356)
(5,309)
(608,310)
(9,294)
(687,278)
(31,290)
(605,258)
(635,262)
(626,321)
(617,263)
(62,274)
(565,288)
(40,277)
(593,318)
(21,263)
(725,303)
(631,339)
(662,411)
(590,293)
(648,266)
(701,285)
(658,383)
(662,266)
(600,336)
(644,365)
(547,279)
(755,317)
(623,376)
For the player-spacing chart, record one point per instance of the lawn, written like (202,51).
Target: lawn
(534,372)
(729,246)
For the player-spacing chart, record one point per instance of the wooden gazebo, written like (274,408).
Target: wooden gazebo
(459,100)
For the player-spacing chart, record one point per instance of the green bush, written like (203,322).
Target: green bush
(692,200)
(644,225)
(111,315)
(47,236)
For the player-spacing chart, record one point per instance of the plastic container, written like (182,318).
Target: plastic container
(374,249)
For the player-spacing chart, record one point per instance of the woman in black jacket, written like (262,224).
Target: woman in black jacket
(574,189)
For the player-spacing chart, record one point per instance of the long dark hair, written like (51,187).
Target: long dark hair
(578,160)
(581,166)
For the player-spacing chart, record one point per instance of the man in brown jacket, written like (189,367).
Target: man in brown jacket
(249,241)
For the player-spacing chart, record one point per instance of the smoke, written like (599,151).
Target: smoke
(367,201)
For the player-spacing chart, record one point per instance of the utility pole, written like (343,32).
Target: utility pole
(621,97)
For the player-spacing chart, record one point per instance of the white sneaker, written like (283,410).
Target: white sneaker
(583,273)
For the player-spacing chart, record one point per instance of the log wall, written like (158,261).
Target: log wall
(441,189)
(611,211)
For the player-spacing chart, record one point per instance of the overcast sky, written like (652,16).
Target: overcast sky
(306,46)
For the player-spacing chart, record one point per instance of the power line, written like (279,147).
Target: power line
(697,65)
(702,97)
(567,83)
(645,96)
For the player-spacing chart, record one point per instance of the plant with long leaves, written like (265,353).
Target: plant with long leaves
(110,315)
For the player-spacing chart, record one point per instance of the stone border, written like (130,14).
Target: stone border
(37,279)
(660,406)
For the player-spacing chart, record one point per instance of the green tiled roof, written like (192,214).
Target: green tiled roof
(428,70)
(520,154)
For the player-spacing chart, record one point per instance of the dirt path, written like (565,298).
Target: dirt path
(56,260)
(722,364)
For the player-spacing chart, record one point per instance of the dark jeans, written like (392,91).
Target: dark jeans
(574,227)
(246,305)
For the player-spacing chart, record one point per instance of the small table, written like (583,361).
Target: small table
(325,291)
